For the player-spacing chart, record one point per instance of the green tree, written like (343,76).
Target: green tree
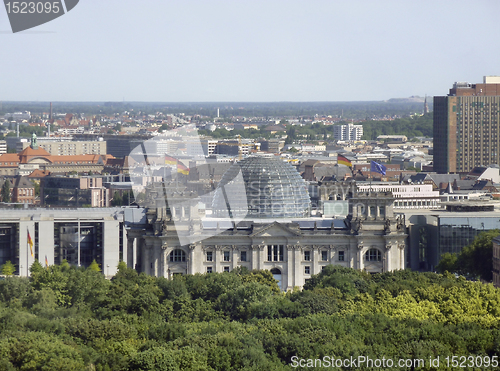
(94,266)
(117,200)
(448,263)
(5,193)
(37,188)
(475,260)
(8,268)
(36,267)
(127,198)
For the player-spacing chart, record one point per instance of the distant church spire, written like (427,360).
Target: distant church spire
(426,106)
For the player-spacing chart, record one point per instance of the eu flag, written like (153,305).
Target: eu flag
(377,168)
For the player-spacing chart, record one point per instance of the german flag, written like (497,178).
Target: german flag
(341,160)
(170,160)
(30,242)
(182,169)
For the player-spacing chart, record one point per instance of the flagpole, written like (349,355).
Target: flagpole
(27,252)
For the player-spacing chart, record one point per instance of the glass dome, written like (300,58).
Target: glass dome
(272,189)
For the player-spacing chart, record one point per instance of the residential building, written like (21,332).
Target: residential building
(209,146)
(272,145)
(466,126)
(234,147)
(349,132)
(35,158)
(23,191)
(58,147)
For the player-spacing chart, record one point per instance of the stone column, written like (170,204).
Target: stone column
(298,273)
(234,256)
(360,263)
(315,259)
(131,252)
(190,259)
(156,253)
(217,258)
(163,260)
(254,259)
(262,254)
(290,265)
(401,263)
(387,259)
(146,260)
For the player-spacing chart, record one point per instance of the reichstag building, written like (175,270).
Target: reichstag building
(260,218)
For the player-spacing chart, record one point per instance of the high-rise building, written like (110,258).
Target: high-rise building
(349,132)
(466,126)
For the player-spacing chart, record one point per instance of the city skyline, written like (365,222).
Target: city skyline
(248,52)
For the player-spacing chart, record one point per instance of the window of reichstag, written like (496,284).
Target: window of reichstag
(275,253)
(177,256)
(373,255)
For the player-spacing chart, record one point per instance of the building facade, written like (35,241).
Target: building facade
(466,126)
(349,132)
(371,238)
(57,147)
(77,235)
(496,261)
(409,196)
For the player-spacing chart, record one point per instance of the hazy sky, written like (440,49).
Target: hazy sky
(258,50)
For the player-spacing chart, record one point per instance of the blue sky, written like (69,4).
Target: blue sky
(272,50)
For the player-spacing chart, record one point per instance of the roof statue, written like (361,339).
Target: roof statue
(34,143)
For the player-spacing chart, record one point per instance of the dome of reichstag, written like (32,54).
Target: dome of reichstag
(261,187)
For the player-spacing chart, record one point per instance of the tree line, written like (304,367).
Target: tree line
(70,318)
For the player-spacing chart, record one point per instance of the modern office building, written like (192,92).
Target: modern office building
(433,233)
(496,261)
(466,126)
(407,196)
(77,235)
(85,191)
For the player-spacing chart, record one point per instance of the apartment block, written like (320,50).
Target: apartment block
(349,132)
(67,148)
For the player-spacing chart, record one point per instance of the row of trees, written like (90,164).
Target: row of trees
(416,126)
(348,110)
(68,318)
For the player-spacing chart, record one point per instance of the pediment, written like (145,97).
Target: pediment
(275,229)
